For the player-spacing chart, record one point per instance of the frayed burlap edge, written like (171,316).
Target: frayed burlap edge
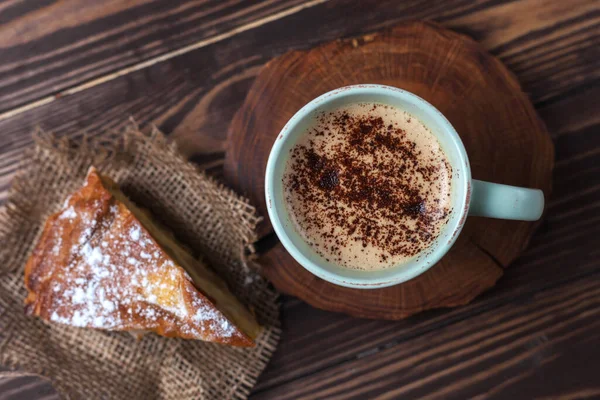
(118,154)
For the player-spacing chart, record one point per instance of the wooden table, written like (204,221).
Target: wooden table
(86,66)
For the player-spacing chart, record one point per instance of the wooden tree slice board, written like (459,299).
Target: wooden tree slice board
(505,140)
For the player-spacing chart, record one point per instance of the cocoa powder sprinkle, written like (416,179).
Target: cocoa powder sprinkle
(358,179)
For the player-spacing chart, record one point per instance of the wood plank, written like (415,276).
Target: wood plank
(26,388)
(326,341)
(316,340)
(552,47)
(194,96)
(539,41)
(561,250)
(195,105)
(572,116)
(522,348)
(48,46)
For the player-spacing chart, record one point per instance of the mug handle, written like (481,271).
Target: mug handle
(494,200)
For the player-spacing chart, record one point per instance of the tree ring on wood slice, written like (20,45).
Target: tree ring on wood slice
(505,140)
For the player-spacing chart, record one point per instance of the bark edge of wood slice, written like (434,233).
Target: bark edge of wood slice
(505,140)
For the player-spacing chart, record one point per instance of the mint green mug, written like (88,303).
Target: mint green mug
(470,197)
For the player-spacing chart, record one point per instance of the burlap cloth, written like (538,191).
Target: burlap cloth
(210,219)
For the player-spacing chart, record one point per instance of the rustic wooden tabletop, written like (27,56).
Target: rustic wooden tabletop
(87,66)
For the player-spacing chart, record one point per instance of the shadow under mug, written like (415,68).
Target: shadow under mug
(470,197)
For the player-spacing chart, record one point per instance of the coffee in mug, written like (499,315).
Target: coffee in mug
(368,186)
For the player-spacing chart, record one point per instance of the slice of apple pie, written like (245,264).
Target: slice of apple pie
(102,262)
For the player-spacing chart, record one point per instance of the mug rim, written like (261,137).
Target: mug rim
(281,230)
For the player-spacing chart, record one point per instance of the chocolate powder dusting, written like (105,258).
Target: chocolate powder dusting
(359,180)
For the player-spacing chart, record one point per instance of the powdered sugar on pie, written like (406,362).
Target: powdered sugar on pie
(115,276)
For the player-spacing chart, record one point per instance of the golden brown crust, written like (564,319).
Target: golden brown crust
(97,266)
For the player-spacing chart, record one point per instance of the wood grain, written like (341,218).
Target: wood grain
(562,250)
(51,47)
(26,388)
(316,340)
(522,349)
(48,46)
(552,47)
(194,96)
(503,136)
